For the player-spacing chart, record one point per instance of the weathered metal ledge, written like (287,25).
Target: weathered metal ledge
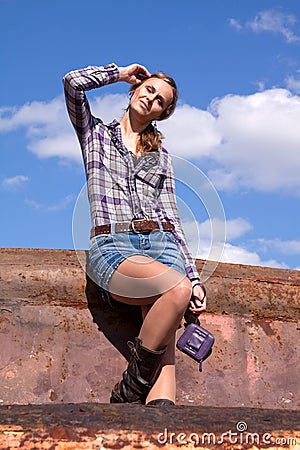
(55,277)
(63,348)
(98,426)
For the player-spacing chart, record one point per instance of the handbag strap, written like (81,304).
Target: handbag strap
(190,317)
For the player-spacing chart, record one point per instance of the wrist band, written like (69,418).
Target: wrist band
(202,287)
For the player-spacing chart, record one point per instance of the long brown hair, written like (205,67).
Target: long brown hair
(151,138)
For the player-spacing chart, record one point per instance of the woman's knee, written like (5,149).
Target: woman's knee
(181,294)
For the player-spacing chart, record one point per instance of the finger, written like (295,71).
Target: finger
(198,306)
(136,79)
(140,73)
(144,71)
(192,305)
(195,309)
(198,310)
(133,80)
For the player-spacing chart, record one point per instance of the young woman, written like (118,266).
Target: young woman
(138,252)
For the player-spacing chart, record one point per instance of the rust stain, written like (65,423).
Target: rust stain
(266,326)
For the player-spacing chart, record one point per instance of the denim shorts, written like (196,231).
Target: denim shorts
(107,251)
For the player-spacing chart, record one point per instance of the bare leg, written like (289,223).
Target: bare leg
(166,310)
(165,385)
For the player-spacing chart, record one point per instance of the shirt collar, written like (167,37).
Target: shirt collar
(113,124)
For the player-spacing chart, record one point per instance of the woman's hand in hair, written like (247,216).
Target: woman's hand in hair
(133,74)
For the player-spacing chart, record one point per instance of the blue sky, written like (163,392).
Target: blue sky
(237,66)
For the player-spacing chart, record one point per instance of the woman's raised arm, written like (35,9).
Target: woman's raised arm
(76,83)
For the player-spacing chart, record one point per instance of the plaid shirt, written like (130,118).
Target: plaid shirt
(119,188)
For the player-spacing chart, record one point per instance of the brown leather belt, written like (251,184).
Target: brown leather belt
(136,225)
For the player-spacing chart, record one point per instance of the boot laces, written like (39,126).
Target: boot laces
(133,350)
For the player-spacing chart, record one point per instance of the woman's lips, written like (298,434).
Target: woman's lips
(144,105)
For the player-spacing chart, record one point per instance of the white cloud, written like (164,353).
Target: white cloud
(191,132)
(261,141)
(110,106)
(33,115)
(237,228)
(235,24)
(275,22)
(260,85)
(251,141)
(293,84)
(62,145)
(291,247)
(223,180)
(239,255)
(59,206)
(234,228)
(205,246)
(13,183)
(271,21)
(48,128)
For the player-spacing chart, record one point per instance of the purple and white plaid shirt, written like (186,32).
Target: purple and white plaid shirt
(119,188)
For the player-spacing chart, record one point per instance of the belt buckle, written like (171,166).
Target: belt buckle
(133,224)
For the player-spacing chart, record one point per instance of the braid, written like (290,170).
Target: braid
(150,139)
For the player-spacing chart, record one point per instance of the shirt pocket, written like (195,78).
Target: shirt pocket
(151,181)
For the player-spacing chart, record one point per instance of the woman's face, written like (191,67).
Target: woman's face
(151,98)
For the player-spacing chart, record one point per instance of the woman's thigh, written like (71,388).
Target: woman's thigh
(108,251)
(139,280)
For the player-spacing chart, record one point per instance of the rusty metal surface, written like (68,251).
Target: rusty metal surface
(98,426)
(55,277)
(60,344)
(265,293)
(39,277)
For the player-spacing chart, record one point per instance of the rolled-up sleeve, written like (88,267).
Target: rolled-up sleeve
(76,83)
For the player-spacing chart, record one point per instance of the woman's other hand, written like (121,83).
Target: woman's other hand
(133,74)
(198,300)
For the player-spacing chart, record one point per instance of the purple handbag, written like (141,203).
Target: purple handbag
(195,341)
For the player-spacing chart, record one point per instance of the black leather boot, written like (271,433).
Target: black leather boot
(139,377)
